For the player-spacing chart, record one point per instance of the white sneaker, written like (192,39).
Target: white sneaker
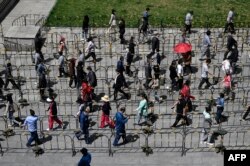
(211,144)
(48,129)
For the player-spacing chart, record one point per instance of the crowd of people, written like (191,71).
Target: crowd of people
(86,82)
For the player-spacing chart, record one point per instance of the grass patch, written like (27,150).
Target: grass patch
(164,12)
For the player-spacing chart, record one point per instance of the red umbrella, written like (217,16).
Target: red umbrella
(182,48)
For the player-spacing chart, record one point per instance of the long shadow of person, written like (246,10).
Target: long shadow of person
(130,139)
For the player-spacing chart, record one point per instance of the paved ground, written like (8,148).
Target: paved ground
(166,142)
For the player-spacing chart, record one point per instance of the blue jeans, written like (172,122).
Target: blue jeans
(118,135)
(33,137)
(86,135)
(218,114)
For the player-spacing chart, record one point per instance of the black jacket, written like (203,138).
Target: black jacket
(120,81)
(92,79)
(148,71)
(155,43)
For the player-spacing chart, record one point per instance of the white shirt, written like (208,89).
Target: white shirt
(206,115)
(204,70)
(179,70)
(37,58)
(112,20)
(226,66)
(230,16)
(206,41)
(91,47)
(61,61)
(188,19)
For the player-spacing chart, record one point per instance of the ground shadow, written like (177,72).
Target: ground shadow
(94,137)
(238,70)
(95,108)
(137,58)
(163,71)
(48,60)
(51,83)
(130,139)
(44,140)
(98,59)
(99,96)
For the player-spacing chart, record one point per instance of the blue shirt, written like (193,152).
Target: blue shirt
(31,122)
(220,102)
(120,121)
(85,160)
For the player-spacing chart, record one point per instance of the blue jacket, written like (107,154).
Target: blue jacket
(121,120)
(84,121)
(85,160)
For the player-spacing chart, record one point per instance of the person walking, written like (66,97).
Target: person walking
(145,22)
(148,74)
(90,50)
(80,76)
(118,84)
(245,114)
(37,59)
(229,27)
(122,30)
(120,65)
(83,115)
(9,110)
(53,114)
(85,27)
(91,78)
(129,59)
(9,77)
(86,158)
(1,88)
(180,73)
(188,21)
(121,119)
(204,74)
(231,44)
(42,83)
(87,94)
(220,108)
(181,111)
(112,22)
(106,108)
(206,137)
(61,63)
(142,110)
(173,75)
(206,44)
(72,75)
(155,45)
(31,122)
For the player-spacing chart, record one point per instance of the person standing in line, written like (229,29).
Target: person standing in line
(122,30)
(188,21)
(180,73)
(173,74)
(229,24)
(121,120)
(80,76)
(85,27)
(204,74)
(118,84)
(86,158)
(142,109)
(84,123)
(206,44)
(90,50)
(120,65)
(62,45)
(220,108)
(53,114)
(37,59)
(112,22)
(129,60)
(106,108)
(31,122)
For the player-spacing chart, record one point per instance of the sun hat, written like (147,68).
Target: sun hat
(105,98)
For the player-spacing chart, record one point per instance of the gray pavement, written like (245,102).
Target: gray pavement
(166,143)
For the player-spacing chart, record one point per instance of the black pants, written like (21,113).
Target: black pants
(148,80)
(188,28)
(122,37)
(186,68)
(178,118)
(127,70)
(61,71)
(11,80)
(91,54)
(204,80)
(246,113)
(72,78)
(180,83)
(121,91)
